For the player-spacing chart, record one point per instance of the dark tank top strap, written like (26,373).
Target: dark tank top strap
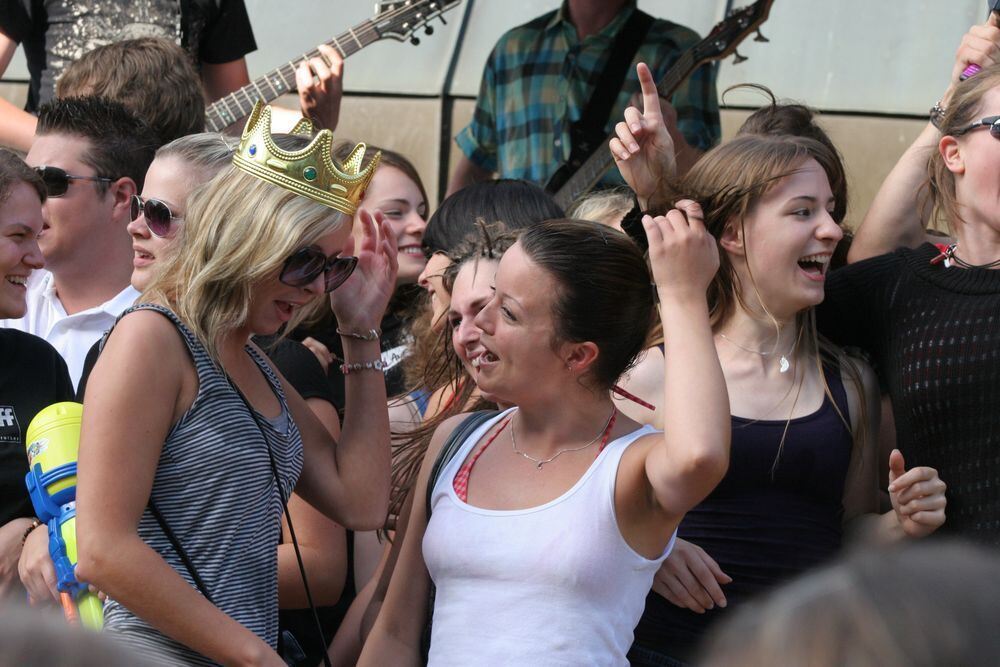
(835,382)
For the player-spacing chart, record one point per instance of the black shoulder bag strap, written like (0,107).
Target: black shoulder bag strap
(451,447)
(175,543)
(587,134)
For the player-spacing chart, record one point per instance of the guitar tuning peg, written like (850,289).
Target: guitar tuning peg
(429,30)
(415,41)
(737,58)
(760,37)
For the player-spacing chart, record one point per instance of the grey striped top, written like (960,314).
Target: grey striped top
(217,493)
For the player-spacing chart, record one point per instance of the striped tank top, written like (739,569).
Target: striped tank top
(217,493)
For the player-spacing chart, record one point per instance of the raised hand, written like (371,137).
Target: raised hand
(360,302)
(320,97)
(917,496)
(683,255)
(643,149)
(689,578)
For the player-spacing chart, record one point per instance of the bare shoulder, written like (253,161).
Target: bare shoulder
(145,351)
(145,337)
(855,370)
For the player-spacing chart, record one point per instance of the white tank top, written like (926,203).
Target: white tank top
(550,585)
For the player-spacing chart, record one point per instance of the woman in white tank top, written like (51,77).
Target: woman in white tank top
(548,524)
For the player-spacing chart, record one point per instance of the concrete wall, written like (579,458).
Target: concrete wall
(879,64)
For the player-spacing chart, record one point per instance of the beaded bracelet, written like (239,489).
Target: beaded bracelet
(370,335)
(375,365)
(35,523)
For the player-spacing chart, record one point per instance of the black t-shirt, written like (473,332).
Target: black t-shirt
(54,33)
(299,366)
(32,377)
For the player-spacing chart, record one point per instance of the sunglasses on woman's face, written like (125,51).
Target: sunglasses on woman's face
(992,122)
(156,213)
(305,265)
(56,180)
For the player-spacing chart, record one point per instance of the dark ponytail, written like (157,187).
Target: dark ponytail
(605,294)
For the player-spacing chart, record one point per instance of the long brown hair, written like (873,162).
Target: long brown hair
(728,182)
(442,369)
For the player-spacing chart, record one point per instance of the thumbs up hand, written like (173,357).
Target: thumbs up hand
(917,497)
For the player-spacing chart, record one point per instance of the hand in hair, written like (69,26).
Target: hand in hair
(361,301)
(684,257)
(320,96)
(917,496)
(643,149)
(689,578)
(980,46)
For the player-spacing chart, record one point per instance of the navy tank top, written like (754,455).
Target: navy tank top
(764,522)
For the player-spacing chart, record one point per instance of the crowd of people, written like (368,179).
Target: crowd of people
(691,420)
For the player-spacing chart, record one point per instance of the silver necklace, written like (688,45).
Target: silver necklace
(540,462)
(783,363)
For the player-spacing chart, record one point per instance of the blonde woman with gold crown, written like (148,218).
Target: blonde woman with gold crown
(192,442)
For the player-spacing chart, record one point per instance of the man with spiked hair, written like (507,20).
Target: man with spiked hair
(92,155)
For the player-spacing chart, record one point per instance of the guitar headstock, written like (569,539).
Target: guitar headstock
(401,19)
(728,33)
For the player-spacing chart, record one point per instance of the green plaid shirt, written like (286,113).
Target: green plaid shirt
(540,76)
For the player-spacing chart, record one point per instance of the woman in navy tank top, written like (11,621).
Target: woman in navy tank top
(804,414)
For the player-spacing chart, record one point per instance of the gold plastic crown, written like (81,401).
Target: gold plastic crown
(311,171)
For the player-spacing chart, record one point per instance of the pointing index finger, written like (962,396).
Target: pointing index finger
(650,95)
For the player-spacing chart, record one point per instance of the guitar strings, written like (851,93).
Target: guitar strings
(364,30)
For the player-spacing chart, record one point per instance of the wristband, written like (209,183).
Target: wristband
(357,367)
(370,335)
(936,115)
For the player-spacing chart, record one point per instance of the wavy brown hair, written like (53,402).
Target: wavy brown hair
(442,370)
(728,182)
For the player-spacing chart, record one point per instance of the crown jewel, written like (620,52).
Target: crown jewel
(311,171)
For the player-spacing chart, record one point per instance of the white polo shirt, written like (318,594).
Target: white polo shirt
(71,335)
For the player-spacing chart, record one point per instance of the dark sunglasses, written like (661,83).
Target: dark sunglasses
(992,122)
(157,215)
(56,180)
(305,265)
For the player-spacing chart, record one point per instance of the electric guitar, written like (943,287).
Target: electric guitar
(580,175)
(392,20)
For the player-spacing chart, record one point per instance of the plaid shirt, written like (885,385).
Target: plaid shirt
(540,76)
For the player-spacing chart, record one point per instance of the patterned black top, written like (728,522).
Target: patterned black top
(934,336)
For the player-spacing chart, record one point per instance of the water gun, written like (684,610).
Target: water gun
(53,442)
(992,7)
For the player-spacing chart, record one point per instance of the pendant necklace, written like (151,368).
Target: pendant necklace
(605,431)
(783,363)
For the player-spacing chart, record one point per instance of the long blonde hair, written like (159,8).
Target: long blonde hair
(238,231)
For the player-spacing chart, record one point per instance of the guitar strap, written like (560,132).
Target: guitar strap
(588,132)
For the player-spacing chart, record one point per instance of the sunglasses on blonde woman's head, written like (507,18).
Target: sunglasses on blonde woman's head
(992,122)
(157,215)
(307,264)
(57,181)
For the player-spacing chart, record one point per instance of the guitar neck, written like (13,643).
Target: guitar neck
(601,160)
(238,104)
